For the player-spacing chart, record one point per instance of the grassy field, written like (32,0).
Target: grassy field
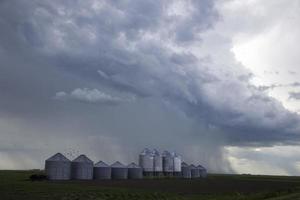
(16,185)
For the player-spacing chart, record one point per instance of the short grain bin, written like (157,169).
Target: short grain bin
(202,171)
(186,171)
(119,171)
(102,171)
(82,168)
(195,172)
(58,167)
(135,171)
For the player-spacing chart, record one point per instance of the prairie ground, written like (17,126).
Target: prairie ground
(16,185)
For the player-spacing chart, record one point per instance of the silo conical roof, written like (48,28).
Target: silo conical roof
(58,157)
(118,165)
(146,151)
(155,152)
(183,164)
(101,164)
(82,158)
(192,166)
(200,167)
(133,165)
(166,153)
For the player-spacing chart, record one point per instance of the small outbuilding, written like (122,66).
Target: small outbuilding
(186,171)
(102,171)
(119,171)
(58,167)
(134,171)
(82,168)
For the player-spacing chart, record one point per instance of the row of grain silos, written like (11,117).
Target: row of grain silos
(58,167)
(156,164)
(151,163)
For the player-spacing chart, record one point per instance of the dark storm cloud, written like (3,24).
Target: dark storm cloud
(116,51)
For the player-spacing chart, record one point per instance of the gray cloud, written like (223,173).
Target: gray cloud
(141,49)
(91,96)
(294,95)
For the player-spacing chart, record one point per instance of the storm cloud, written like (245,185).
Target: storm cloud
(76,75)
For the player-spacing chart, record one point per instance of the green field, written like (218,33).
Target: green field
(16,185)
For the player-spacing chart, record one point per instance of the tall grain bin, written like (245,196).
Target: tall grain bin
(58,167)
(158,163)
(195,172)
(176,164)
(119,171)
(135,171)
(202,171)
(102,171)
(146,161)
(185,171)
(168,164)
(82,168)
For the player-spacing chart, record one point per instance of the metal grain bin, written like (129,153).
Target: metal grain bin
(58,167)
(168,164)
(157,163)
(186,171)
(135,171)
(195,172)
(102,171)
(119,171)
(146,161)
(176,164)
(202,171)
(82,168)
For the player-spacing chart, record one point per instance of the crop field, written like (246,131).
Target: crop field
(16,185)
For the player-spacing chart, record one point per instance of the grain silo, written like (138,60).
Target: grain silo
(58,167)
(157,163)
(195,172)
(135,171)
(168,164)
(102,171)
(202,171)
(185,171)
(82,168)
(119,171)
(146,161)
(176,164)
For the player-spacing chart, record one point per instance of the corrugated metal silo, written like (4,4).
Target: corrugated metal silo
(203,171)
(168,164)
(119,171)
(158,163)
(176,164)
(102,171)
(58,167)
(135,171)
(82,168)
(195,172)
(146,161)
(186,171)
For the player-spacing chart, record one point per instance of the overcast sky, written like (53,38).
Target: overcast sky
(216,81)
